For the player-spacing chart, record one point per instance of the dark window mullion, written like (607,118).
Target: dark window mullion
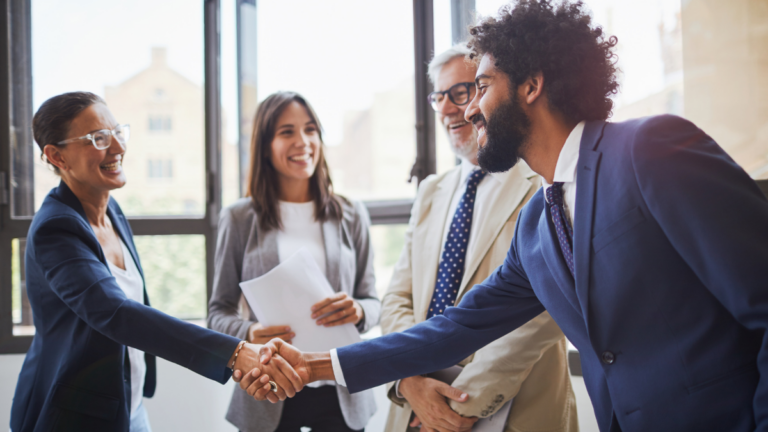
(424,45)
(212,59)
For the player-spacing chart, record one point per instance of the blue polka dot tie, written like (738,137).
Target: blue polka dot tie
(451,267)
(562,224)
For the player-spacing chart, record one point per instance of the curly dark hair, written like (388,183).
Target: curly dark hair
(576,59)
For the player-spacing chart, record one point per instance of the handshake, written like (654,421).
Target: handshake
(281,363)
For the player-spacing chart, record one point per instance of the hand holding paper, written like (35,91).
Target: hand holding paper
(340,308)
(285,296)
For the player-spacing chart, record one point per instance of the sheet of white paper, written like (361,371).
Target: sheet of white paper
(494,423)
(285,295)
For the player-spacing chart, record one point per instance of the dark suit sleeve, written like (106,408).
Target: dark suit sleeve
(502,303)
(66,252)
(716,217)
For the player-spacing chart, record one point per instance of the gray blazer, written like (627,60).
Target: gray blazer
(244,252)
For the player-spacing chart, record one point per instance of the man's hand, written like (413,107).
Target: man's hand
(342,308)
(258,334)
(427,397)
(278,357)
(248,364)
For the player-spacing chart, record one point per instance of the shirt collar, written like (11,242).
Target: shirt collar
(565,170)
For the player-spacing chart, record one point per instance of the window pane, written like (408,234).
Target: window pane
(21,310)
(233,96)
(387,241)
(356,68)
(174,272)
(151,75)
(726,76)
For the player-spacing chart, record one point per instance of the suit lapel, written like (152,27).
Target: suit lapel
(433,239)
(553,256)
(498,207)
(121,226)
(332,239)
(586,180)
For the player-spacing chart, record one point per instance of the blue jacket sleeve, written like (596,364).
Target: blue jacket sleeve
(502,303)
(716,217)
(67,253)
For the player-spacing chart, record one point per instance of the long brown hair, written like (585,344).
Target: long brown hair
(263,182)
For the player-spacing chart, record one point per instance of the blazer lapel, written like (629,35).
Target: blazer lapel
(433,241)
(500,205)
(269,257)
(586,180)
(553,256)
(121,226)
(332,239)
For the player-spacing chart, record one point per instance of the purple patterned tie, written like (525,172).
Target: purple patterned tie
(562,224)
(449,272)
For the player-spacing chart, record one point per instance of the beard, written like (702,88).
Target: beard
(506,132)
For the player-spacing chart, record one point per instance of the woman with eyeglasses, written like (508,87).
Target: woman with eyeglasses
(92,359)
(291,205)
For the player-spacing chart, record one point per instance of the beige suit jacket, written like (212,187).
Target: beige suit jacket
(529,364)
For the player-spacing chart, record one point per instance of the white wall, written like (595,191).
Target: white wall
(186,401)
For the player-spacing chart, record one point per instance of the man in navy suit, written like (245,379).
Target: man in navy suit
(648,245)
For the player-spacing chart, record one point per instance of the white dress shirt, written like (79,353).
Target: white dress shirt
(129,280)
(485,188)
(565,171)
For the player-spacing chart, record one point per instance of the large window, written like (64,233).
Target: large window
(189,92)
(164,83)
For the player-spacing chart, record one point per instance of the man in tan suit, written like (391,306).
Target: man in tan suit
(460,230)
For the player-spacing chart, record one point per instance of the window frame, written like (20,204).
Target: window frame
(18,13)
(18,24)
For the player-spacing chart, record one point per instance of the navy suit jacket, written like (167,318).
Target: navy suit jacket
(669,306)
(76,375)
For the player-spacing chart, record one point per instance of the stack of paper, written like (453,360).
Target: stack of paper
(285,295)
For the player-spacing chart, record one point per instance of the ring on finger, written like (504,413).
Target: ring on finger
(273,386)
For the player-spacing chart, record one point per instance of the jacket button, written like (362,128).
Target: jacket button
(608,357)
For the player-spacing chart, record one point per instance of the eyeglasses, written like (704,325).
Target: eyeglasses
(459,94)
(103,139)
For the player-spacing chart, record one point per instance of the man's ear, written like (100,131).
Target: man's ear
(532,89)
(54,156)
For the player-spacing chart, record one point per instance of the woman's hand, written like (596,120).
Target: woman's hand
(342,308)
(258,334)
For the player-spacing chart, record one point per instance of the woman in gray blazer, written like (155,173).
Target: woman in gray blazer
(291,205)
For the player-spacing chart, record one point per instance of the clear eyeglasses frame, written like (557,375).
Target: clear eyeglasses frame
(102,139)
(459,94)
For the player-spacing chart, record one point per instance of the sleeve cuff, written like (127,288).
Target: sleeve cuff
(337,372)
(397,390)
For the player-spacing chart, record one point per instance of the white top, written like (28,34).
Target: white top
(129,280)
(301,230)
(485,188)
(565,171)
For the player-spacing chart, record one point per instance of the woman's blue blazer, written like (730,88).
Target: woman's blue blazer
(76,375)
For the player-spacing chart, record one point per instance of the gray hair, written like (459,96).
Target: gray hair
(440,60)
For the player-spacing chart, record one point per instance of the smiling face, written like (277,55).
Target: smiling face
(461,134)
(496,112)
(295,149)
(80,164)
